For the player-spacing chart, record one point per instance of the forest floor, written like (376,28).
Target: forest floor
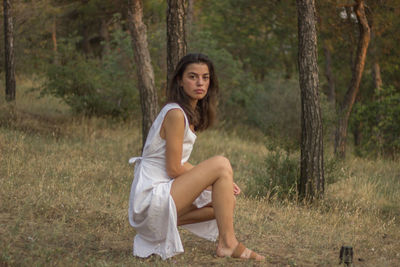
(65,183)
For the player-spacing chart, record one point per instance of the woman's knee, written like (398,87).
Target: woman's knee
(223,165)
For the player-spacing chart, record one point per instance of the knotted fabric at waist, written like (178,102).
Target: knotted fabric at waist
(151,169)
(148,160)
(134,159)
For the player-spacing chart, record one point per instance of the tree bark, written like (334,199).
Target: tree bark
(311,183)
(351,94)
(176,35)
(9,51)
(145,74)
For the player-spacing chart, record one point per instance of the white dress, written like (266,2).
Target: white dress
(152,210)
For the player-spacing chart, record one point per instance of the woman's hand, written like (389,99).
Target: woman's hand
(236,189)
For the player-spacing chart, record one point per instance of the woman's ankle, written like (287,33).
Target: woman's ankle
(227,242)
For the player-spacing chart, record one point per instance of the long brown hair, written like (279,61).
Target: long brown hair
(204,114)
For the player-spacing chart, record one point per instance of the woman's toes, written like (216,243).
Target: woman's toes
(249,254)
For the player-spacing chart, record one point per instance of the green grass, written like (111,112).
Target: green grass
(65,183)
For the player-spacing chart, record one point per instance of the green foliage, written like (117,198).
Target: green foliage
(329,118)
(274,107)
(278,179)
(379,123)
(235,83)
(246,100)
(332,170)
(95,86)
(262,37)
(272,104)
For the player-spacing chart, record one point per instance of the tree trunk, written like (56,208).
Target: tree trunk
(189,17)
(377,75)
(357,134)
(9,51)
(311,182)
(288,67)
(351,36)
(54,39)
(176,36)
(87,48)
(376,69)
(145,74)
(351,94)
(105,36)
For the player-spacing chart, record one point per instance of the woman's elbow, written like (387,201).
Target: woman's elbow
(173,172)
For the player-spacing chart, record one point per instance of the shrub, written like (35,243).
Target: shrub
(279,175)
(379,124)
(274,107)
(333,171)
(94,86)
(278,179)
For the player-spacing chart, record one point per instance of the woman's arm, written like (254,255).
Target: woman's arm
(173,130)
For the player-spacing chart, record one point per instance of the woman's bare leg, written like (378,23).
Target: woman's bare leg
(217,172)
(187,187)
(196,215)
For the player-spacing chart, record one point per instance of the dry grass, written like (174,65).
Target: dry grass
(65,182)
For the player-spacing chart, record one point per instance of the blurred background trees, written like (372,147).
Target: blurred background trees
(82,51)
(9,50)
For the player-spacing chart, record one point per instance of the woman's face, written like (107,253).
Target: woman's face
(195,81)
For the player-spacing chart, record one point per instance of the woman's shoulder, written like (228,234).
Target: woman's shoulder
(173,112)
(174,116)
(171,106)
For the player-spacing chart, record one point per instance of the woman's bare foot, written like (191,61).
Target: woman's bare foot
(238,251)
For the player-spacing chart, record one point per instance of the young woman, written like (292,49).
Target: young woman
(167,190)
